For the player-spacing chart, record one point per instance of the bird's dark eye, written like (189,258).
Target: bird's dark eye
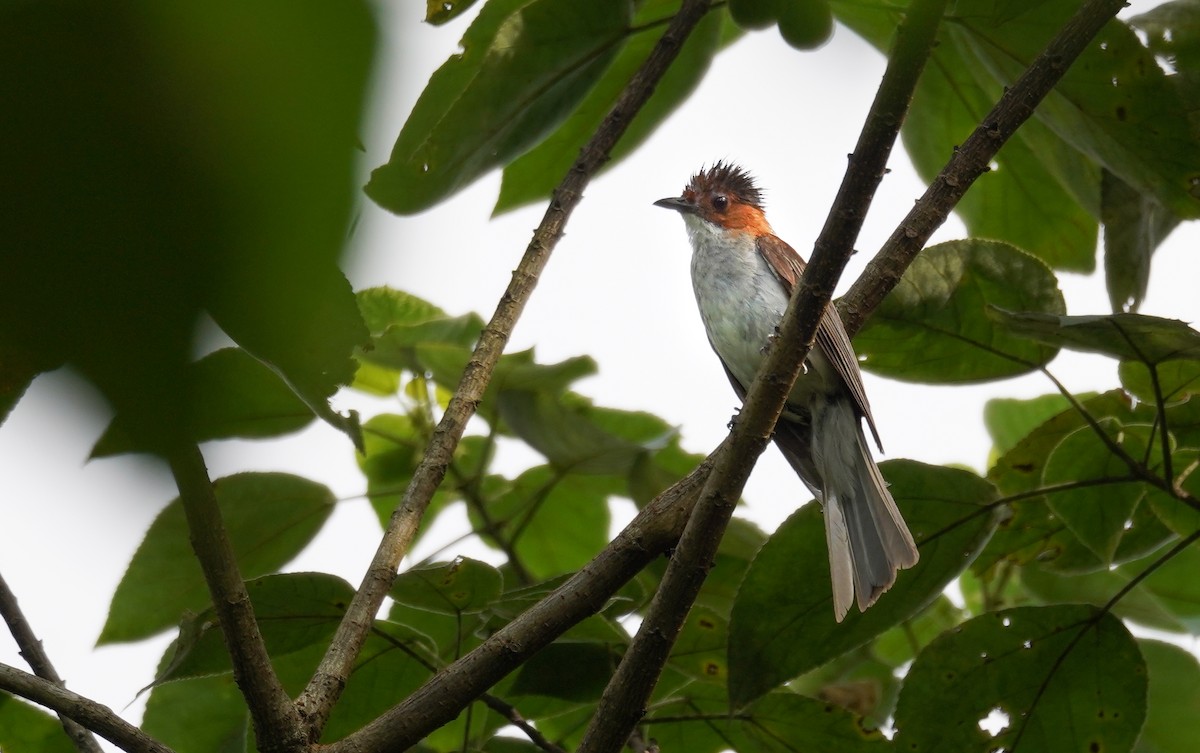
(720,203)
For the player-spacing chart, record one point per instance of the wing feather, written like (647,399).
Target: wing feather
(831,333)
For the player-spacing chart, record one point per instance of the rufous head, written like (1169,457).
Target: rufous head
(724,195)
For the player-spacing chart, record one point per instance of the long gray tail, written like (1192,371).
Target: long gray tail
(868,540)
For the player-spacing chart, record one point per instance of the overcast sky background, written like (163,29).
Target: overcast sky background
(617,289)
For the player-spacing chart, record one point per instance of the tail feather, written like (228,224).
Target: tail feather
(868,540)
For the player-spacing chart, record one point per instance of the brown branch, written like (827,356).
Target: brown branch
(328,681)
(84,711)
(654,530)
(32,651)
(277,726)
(971,160)
(628,692)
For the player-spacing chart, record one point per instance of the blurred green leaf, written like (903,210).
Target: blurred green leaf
(1174,695)
(25,727)
(438,12)
(572,671)
(1064,677)
(701,650)
(269,517)
(782,625)
(464,585)
(233,395)
(524,65)
(1128,337)
(533,176)
(207,153)
(940,311)
(1098,588)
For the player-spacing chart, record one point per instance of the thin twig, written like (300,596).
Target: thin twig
(971,160)
(34,653)
(277,726)
(328,681)
(628,692)
(86,712)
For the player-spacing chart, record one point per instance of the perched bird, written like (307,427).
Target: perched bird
(743,276)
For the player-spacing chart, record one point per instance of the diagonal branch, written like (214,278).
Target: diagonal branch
(84,711)
(276,724)
(327,683)
(32,651)
(971,160)
(628,692)
(653,531)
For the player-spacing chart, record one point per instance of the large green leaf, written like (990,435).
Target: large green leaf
(233,395)
(1128,337)
(1114,104)
(782,625)
(940,311)
(533,175)
(1177,380)
(1042,195)
(780,722)
(464,585)
(524,65)
(1063,677)
(202,715)
(1009,420)
(270,518)
(293,611)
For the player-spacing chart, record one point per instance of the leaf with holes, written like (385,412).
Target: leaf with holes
(1050,678)
(934,327)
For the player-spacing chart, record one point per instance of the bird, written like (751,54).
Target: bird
(743,276)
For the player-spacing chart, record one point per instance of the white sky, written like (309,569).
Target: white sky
(617,288)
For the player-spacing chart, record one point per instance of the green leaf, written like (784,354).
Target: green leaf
(555,523)
(1139,604)
(533,176)
(1128,337)
(233,395)
(24,727)
(464,585)
(1176,514)
(202,715)
(399,321)
(524,65)
(1097,515)
(1066,677)
(269,517)
(1041,196)
(780,722)
(1114,103)
(571,671)
(940,310)
(1135,223)
(1174,695)
(1009,420)
(782,625)
(701,650)
(293,611)
(438,12)
(1177,380)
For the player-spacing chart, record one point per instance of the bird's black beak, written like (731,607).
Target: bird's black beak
(677,203)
